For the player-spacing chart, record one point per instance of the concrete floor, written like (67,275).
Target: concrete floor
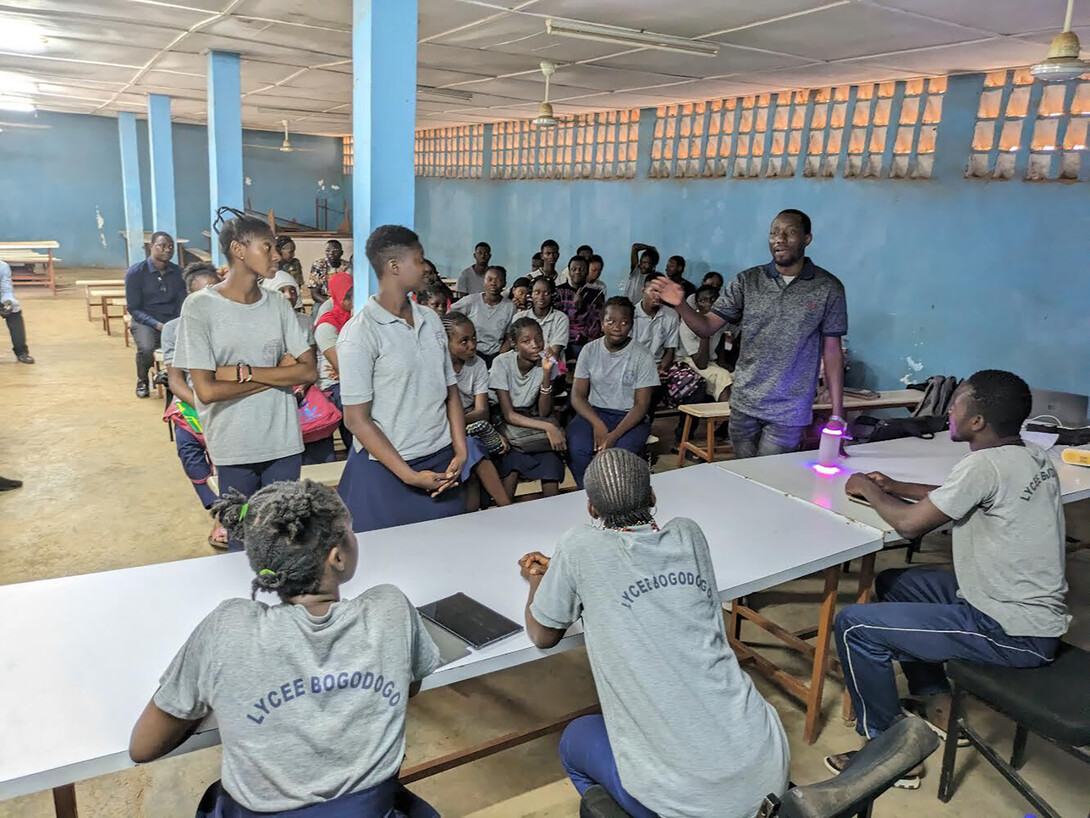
(104,490)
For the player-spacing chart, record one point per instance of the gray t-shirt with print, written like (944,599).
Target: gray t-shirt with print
(216,331)
(403,372)
(782,326)
(472,381)
(309,708)
(1008,537)
(658,332)
(523,389)
(615,376)
(490,320)
(554,326)
(690,733)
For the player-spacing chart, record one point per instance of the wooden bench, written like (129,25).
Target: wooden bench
(93,290)
(200,255)
(25,254)
(105,304)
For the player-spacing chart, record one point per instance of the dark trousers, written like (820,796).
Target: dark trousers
(753,437)
(588,759)
(195,464)
(919,621)
(146,340)
(17,331)
(249,477)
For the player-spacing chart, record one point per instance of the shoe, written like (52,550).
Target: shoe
(7,484)
(909,781)
(25,358)
(913,707)
(142,389)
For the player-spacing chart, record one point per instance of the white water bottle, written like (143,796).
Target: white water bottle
(829,448)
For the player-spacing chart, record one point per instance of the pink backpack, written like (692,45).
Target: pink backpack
(318,417)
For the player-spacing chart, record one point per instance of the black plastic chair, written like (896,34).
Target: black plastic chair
(872,771)
(1052,702)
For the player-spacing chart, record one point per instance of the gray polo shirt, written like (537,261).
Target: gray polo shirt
(690,732)
(490,320)
(216,331)
(469,282)
(403,372)
(782,326)
(554,326)
(658,332)
(1008,537)
(523,389)
(472,381)
(615,376)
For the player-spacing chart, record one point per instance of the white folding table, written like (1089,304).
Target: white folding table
(80,656)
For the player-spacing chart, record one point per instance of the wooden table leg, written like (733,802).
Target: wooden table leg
(64,801)
(866,579)
(52,278)
(710,429)
(821,654)
(684,439)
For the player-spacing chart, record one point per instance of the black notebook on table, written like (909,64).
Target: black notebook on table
(469,620)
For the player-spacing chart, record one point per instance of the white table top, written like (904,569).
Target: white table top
(909,460)
(80,656)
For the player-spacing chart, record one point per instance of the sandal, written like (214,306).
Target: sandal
(218,538)
(909,781)
(914,707)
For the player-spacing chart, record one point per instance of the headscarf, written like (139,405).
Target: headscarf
(339,285)
(281,280)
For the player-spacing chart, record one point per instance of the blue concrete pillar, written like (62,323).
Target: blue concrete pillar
(383,124)
(130,186)
(224,137)
(161,152)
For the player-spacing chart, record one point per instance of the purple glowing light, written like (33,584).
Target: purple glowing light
(828,471)
(830,431)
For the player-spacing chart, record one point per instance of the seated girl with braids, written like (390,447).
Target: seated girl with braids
(472,375)
(245,352)
(309,694)
(683,731)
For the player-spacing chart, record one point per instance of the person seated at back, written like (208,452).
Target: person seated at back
(582,304)
(712,279)
(436,297)
(615,380)
(585,251)
(553,322)
(189,441)
(284,284)
(309,694)
(520,293)
(550,255)
(471,279)
(472,375)
(327,329)
(683,730)
(400,398)
(332,263)
(708,356)
(657,326)
(522,381)
(643,260)
(1003,604)
(595,265)
(536,263)
(675,271)
(285,246)
(490,313)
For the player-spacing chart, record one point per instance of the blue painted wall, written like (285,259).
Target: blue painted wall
(954,274)
(55,183)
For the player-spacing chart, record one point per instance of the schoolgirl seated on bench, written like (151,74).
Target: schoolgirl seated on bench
(683,732)
(490,312)
(615,378)
(309,694)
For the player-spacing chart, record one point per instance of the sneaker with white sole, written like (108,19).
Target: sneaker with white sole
(909,781)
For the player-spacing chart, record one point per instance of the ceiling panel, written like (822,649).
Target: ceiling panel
(999,16)
(967,57)
(260,34)
(477,62)
(729,60)
(435,17)
(438,76)
(333,14)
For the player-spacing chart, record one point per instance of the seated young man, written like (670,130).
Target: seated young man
(1003,604)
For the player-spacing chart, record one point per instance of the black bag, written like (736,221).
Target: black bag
(937,395)
(867,429)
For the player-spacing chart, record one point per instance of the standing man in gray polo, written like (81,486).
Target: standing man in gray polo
(792,315)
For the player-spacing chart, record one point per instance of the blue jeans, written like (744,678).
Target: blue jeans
(588,759)
(249,477)
(919,621)
(753,437)
(195,464)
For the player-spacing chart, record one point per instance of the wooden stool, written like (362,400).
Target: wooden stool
(157,361)
(712,413)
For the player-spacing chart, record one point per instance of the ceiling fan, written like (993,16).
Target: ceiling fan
(285,147)
(545,117)
(1063,63)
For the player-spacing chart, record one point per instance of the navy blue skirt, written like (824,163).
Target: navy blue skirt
(581,439)
(545,466)
(386,800)
(378,499)
(475,453)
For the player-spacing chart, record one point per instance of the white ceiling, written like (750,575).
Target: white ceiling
(104,56)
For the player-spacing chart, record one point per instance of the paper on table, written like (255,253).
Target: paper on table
(1046,440)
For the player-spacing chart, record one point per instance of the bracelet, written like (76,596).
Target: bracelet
(546,390)
(249,373)
(238,372)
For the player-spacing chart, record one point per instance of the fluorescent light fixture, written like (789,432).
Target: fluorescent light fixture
(453,93)
(629,37)
(22,106)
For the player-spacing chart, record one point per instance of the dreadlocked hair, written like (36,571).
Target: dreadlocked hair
(618,485)
(288,530)
(240,228)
